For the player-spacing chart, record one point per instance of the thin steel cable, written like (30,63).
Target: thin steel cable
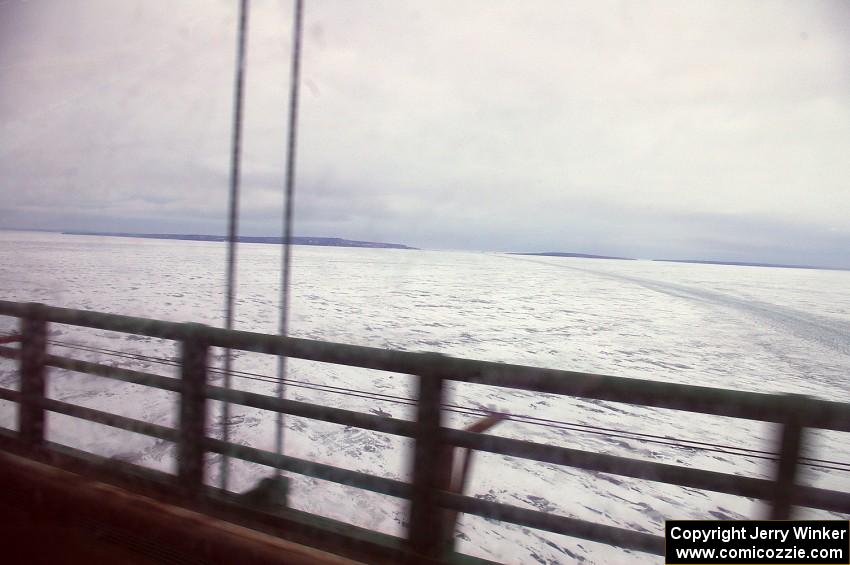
(472,411)
(476,412)
(286,255)
(598,429)
(246,375)
(233,220)
(411,401)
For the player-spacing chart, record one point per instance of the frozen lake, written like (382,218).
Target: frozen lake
(748,328)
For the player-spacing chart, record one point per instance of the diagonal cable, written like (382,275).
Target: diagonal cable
(286,256)
(233,219)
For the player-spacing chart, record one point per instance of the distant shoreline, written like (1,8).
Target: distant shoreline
(316,241)
(340,242)
(692,261)
(579,255)
(753,264)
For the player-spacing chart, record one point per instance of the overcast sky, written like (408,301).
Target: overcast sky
(712,130)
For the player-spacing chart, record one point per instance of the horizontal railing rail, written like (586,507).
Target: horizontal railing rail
(765,407)
(428,500)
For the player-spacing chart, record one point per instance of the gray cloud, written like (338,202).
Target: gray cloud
(685,129)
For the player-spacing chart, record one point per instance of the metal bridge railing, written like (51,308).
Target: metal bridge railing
(426,537)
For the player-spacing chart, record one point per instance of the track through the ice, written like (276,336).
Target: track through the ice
(831,333)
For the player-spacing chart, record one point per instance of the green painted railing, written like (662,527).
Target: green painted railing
(426,539)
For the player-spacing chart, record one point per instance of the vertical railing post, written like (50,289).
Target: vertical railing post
(790,447)
(193,414)
(32,372)
(425,534)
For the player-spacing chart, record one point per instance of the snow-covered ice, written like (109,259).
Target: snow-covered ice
(747,328)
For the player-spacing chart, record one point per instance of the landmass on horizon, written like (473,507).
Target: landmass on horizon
(341,242)
(297,240)
(753,264)
(579,255)
(693,261)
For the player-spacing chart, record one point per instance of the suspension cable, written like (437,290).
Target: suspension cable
(286,255)
(233,220)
